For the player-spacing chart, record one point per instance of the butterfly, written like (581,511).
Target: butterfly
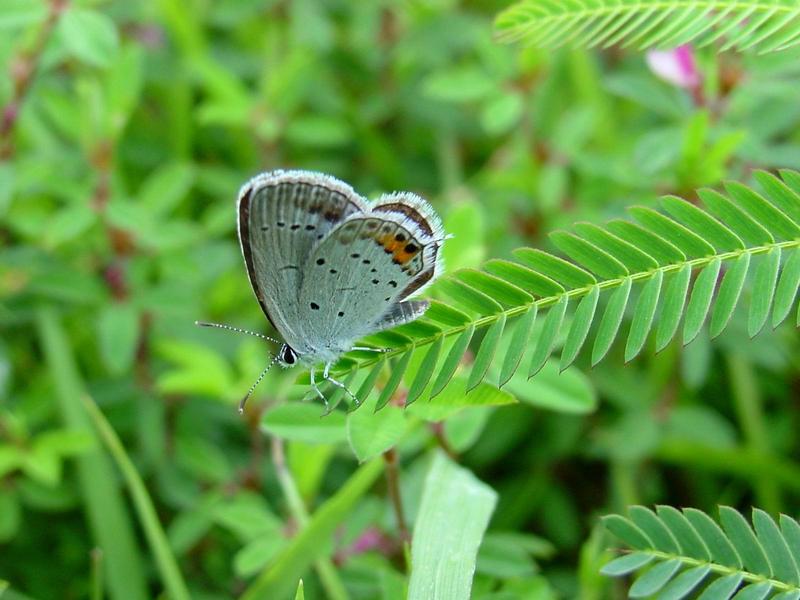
(329,267)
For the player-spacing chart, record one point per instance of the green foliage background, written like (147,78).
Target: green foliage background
(127,130)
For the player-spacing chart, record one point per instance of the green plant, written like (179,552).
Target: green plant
(761,25)
(687,550)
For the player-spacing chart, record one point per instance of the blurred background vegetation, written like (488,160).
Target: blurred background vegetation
(127,129)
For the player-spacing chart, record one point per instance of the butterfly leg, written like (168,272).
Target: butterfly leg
(326,376)
(315,387)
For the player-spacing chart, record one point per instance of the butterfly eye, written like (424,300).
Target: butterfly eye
(288,356)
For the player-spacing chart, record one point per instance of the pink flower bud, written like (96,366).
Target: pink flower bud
(676,66)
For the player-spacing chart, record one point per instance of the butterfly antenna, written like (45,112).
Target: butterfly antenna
(237,330)
(255,385)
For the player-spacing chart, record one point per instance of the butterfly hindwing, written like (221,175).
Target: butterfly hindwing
(355,279)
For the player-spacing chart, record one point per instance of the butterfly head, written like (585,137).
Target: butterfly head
(287,356)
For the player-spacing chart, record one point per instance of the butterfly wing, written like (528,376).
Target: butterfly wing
(282,215)
(356,278)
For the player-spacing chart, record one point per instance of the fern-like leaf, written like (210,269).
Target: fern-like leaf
(683,554)
(519,309)
(757,25)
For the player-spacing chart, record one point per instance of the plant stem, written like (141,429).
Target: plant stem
(23,70)
(330,579)
(750,413)
(393,483)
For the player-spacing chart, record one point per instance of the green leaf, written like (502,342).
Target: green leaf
(739,221)
(451,362)
(672,310)
(643,316)
(703,224)
(628,254)
(627,563)
(764,280)
(700,300)
(453,515)
(486,352)
(745,541)
(655,530)
(547,337)
(588,255)
(457,85)
(166,187)
(729,291)
(759,27)
(455,398)
(494,287)
(469,298)
(627,532)
(786,198)
(683,531)
(118,335)
(426,369)
(722,551)
(722,589)
(369,381)
(305,423)
(684,583)
(371,432)
(612,319)
(784,565)
(277,581)
(788,285)
(581,322)
(518,345)
(764,212)
(89,35)
(16,14)
(526,278)
(397,369)
(691,244)
(754,591)
(659,248)
(556,268)
(566,391)
(655,578)
(300,594)
(255,555)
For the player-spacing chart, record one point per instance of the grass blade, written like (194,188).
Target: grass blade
(162,553)
(453,516)
(108,517)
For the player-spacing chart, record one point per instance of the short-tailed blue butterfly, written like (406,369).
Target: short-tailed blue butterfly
(328,267)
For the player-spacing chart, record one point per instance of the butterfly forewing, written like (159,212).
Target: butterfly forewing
(282,215)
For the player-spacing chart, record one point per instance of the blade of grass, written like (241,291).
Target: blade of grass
(452,518)
(165,561)
(108,517)
(277,581)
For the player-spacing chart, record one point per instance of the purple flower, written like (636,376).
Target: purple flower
(676,66)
